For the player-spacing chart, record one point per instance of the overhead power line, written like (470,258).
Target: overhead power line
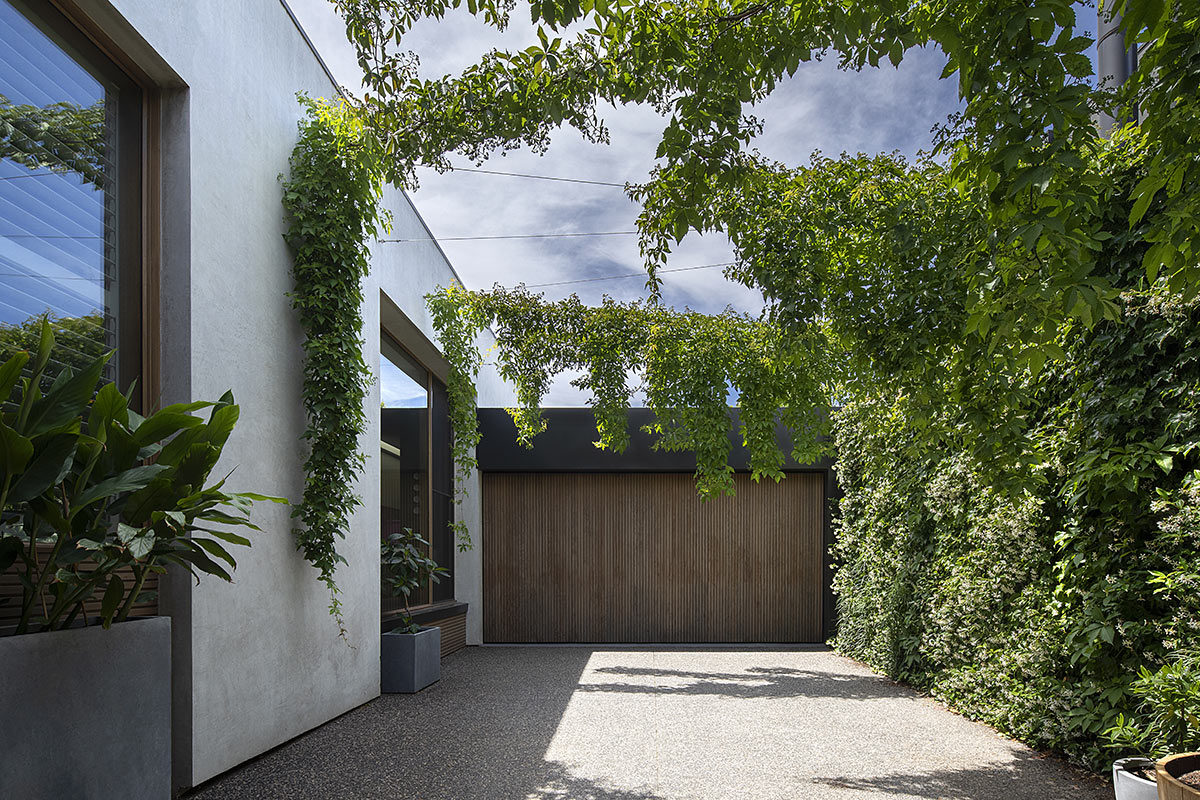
(515,236)
(628,275)
(537,177)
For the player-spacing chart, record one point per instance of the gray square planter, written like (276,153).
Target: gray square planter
(86,712)
(410,661)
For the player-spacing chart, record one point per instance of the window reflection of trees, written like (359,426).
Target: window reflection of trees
(60,139)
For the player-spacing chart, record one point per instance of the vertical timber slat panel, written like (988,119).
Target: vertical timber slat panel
(628,558)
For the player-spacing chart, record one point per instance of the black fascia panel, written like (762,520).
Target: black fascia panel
(568,445)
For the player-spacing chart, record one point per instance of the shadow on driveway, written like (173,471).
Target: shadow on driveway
(754,682)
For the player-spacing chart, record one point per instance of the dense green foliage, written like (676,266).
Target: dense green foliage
(1021,151)
(1009,323)
(406,567)
(1033,599)
(685,362)
(88,486)
(332,202)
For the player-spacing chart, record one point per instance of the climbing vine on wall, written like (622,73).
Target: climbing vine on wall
(686,364)
(332,209)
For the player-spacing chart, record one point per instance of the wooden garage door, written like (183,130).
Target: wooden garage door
(639,558)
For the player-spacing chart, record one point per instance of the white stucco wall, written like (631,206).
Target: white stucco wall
(263,657)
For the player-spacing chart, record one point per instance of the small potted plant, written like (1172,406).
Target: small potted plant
(1167,727)
(410,656)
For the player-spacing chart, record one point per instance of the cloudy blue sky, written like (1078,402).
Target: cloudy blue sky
(820,108)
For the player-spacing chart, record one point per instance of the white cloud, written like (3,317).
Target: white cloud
(820,108)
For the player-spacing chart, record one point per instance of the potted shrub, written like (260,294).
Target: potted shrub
(1167,726)
(95,498)
(410,656)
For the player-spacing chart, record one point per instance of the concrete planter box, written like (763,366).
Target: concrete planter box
(410,661)
(86,713)
(1130,786)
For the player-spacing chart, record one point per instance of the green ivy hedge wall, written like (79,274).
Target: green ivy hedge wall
(1033,600)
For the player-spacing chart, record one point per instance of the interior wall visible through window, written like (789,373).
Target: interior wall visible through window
(415,491)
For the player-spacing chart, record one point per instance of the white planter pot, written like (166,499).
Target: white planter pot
(1127,785)
(410,661)
(86,712)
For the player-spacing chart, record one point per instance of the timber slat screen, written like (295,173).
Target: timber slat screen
(627,558)
(10,597)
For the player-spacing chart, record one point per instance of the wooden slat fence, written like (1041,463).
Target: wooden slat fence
(627,558)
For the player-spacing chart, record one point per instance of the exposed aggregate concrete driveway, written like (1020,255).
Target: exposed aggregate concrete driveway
(534,723)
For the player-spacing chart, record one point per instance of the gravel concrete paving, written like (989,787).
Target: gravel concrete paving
(570,723)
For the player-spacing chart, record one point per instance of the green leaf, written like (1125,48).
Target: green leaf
(45,346)
(108,406)
(215,550)
(66,402)
(141,545)
(10,372)
(128,481)
(164,424)
(15,451)
(227,536)
(49,466)
(127,533)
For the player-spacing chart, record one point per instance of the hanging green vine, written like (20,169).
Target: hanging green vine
(332,208)
(687,363)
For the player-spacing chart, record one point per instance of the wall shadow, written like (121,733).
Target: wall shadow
(481,733)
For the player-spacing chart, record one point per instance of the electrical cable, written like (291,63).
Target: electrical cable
(513,236)
(628,275)
(537,177)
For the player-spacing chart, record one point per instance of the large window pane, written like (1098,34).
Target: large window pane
(404,453)
(67,185)
(417,473)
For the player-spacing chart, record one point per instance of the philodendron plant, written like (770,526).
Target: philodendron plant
(88,487)
(406,566)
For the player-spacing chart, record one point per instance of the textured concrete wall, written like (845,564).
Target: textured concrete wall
(87,712)
(258,661)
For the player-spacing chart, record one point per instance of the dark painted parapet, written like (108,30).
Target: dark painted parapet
(567,445)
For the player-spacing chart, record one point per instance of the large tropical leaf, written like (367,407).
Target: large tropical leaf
(15,451)
(50,464)
(65,402)
(10,371)
(131,480)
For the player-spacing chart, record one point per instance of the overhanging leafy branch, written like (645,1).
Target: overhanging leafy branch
(687,364)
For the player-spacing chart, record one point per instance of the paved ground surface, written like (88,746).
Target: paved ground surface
(584,724)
